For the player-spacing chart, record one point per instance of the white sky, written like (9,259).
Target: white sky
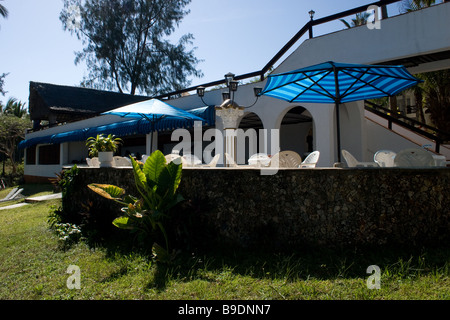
(238,36)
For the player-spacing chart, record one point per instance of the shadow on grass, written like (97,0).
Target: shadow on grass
(289,265)
(202,259)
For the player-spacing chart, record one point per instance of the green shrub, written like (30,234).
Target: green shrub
(157,183)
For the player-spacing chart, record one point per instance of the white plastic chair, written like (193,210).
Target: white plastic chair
(414,158)
(353,163)
(311,160)
(384,158)
(212,163)
(93,162)
(190,160)
(286,159)
(175,158)
(259,160)
(121,162)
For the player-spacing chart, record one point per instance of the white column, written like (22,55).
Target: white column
(229,118)
(151,141)
(64,153)
(324,133)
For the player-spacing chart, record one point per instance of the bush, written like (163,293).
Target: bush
(146,215)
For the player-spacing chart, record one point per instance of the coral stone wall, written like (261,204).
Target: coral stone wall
(308,207)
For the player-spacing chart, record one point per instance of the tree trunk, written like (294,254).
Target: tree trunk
(393,106)
(420,116)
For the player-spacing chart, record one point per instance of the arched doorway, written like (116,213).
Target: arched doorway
(297,131)
(249,138)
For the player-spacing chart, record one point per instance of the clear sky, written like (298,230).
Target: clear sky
(238,36)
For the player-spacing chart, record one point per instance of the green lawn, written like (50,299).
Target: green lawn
(33,265)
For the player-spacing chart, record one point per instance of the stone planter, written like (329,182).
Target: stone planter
(106,159)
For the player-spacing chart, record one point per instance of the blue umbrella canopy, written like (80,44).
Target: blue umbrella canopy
(152,110)
(337,83)
(332,82)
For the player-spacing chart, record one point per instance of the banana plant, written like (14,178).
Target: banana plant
(157,183)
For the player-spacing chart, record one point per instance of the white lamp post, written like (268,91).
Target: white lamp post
(229,111)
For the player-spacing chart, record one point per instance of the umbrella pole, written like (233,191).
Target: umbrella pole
(338,132)
(152,127)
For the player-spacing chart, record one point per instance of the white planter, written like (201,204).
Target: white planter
(106,159)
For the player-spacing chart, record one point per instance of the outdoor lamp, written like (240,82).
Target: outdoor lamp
(257,91)
(229,77)
(201,91)
(233,85)
(311,14)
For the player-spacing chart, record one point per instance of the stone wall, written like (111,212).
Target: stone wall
(307,207)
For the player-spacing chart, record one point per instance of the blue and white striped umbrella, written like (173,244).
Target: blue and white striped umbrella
(153,111)
(332,82)
(337,83)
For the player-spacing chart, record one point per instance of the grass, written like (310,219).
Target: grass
(33,265)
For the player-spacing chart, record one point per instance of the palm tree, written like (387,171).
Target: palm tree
(413,5)
(436,94)
(359,20)
(15,108)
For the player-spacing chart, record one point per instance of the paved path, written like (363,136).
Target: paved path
(44,198)
(33,200)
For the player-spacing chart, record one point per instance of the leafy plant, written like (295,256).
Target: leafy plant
(67,180)
(157,184)
(68,233)
(102,143)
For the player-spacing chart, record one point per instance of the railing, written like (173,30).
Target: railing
(439,136)
(308,27)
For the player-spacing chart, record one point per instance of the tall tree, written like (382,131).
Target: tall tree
(2,83)
(12,131)
(3,11)
(127,47)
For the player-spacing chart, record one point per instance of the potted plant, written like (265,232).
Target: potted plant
(103,147)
